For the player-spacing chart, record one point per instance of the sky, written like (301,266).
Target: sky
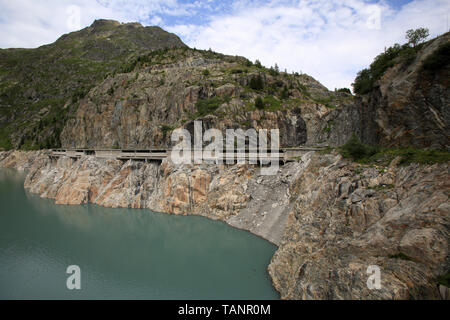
(330,40)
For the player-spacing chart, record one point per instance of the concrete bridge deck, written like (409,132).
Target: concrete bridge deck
(283,155)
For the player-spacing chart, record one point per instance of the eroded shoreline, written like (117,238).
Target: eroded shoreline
(330,218)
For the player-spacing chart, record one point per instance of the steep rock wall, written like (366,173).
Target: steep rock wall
(410,105)
(346,218)
(141,108)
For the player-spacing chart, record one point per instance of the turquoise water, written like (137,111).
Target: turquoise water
(123,253)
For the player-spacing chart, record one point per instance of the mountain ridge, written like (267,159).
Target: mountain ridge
(39,87)
(123,85)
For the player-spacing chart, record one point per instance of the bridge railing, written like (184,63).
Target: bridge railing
(159,154)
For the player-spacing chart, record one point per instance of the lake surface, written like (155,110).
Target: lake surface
(123,253)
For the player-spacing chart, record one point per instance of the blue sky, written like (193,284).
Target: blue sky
(329,39)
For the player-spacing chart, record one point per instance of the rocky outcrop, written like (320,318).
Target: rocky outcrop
(409,105)
(346,218)
(140,109)
(331,218)
(21,160)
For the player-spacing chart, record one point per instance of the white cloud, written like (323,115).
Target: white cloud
(155,20)
(29,23)
(330,40)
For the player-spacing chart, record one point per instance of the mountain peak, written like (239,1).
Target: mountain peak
(99,23)
(111,37)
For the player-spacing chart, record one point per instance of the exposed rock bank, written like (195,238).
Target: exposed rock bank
(346,218)
(331,218)
(238,195)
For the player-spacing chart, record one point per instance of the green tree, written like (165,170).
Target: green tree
(277,69)
(285,93)
(363,82)
(417,36)
(256,83)
(344,90)
(259,104)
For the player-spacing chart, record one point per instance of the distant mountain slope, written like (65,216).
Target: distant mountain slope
(39,87)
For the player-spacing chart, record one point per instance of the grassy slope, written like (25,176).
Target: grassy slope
(39,87)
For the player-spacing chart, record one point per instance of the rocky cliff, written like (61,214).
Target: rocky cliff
(409,105)
(346,217)
(330,217)
(169,89)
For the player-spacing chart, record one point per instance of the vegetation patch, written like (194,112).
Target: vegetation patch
(344,90)
(366,78)
(401,256)
(326,150)
(5,142)
(258,64)
(327,102)
(405,54)
(259,104)
(208,106)
(366,154)
(165,129)
(356,150)
(256,83)
(329,127)
(304,90)
(271,103)
(439,59)
(237,71)
(410,155)
(444,279)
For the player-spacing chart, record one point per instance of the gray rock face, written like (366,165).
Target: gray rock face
(410,107)
(445,292)
(342,222)
(141,108)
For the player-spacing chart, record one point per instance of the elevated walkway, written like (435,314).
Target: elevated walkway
(283,155)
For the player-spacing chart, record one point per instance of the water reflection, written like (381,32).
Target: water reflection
(69,215)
